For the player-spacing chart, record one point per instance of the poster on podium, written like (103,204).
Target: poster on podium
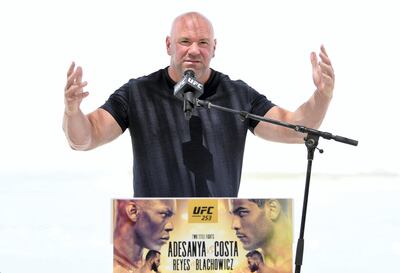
(202,235)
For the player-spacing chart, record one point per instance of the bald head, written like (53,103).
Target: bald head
(191,45)
(191,19)
(145,222)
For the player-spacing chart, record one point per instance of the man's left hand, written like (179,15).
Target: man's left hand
(322,71)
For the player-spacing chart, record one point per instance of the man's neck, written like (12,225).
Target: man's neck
(176,77)
(128,254)
(278,250)
(146,268)
(263,269)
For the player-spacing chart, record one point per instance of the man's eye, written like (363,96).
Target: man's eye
(242,213)
(184,42)
(166,214)
(203,43)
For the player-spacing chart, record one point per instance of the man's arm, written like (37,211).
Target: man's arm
(309,114)
(85,132)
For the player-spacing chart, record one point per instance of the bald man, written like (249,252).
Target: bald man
(201,157)
(140,224)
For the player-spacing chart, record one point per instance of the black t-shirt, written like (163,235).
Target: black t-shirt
(174,157)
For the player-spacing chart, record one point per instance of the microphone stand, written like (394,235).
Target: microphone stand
(311,142)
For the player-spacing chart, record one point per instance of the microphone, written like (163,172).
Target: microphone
(188,89)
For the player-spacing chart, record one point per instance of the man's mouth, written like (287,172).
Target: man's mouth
(164,238)
(192,61)
(240,236)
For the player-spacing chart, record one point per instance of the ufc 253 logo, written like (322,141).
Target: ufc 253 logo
(203,211)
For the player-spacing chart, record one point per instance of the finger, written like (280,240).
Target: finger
(79,73)
(74,77)
(327,80)
(71,69)
(77,97)
(323,50)
(314,60)
(327,69)
(75,93)
(324,56)
(70,81)
(72,74)
(82,95)
(77,86)
(75,89)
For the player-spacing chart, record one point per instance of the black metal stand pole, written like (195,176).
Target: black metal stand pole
(311,142)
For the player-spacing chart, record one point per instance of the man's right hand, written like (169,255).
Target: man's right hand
(73,92)
(85,132)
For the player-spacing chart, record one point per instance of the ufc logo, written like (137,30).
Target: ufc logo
(202,210)
(195,83)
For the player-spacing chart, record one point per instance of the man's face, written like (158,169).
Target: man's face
(191,46)
(156,263)
(250,222)
(154,223)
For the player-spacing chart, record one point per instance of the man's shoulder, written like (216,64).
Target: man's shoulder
(154,81)
(155,76)
(226,79)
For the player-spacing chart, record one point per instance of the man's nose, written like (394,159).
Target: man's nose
(169,226)
(194,49)
(235,223)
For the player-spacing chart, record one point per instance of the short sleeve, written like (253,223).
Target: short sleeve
(260,105)
(118,106)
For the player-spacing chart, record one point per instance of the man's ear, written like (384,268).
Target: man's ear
(274,209)
(132,211)
(168,45)
(215,47)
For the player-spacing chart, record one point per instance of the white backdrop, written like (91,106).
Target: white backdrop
(55,202)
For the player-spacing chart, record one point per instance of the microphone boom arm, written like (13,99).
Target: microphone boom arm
(298,128)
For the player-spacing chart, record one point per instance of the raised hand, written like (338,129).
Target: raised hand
(73,92)
(322,72)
